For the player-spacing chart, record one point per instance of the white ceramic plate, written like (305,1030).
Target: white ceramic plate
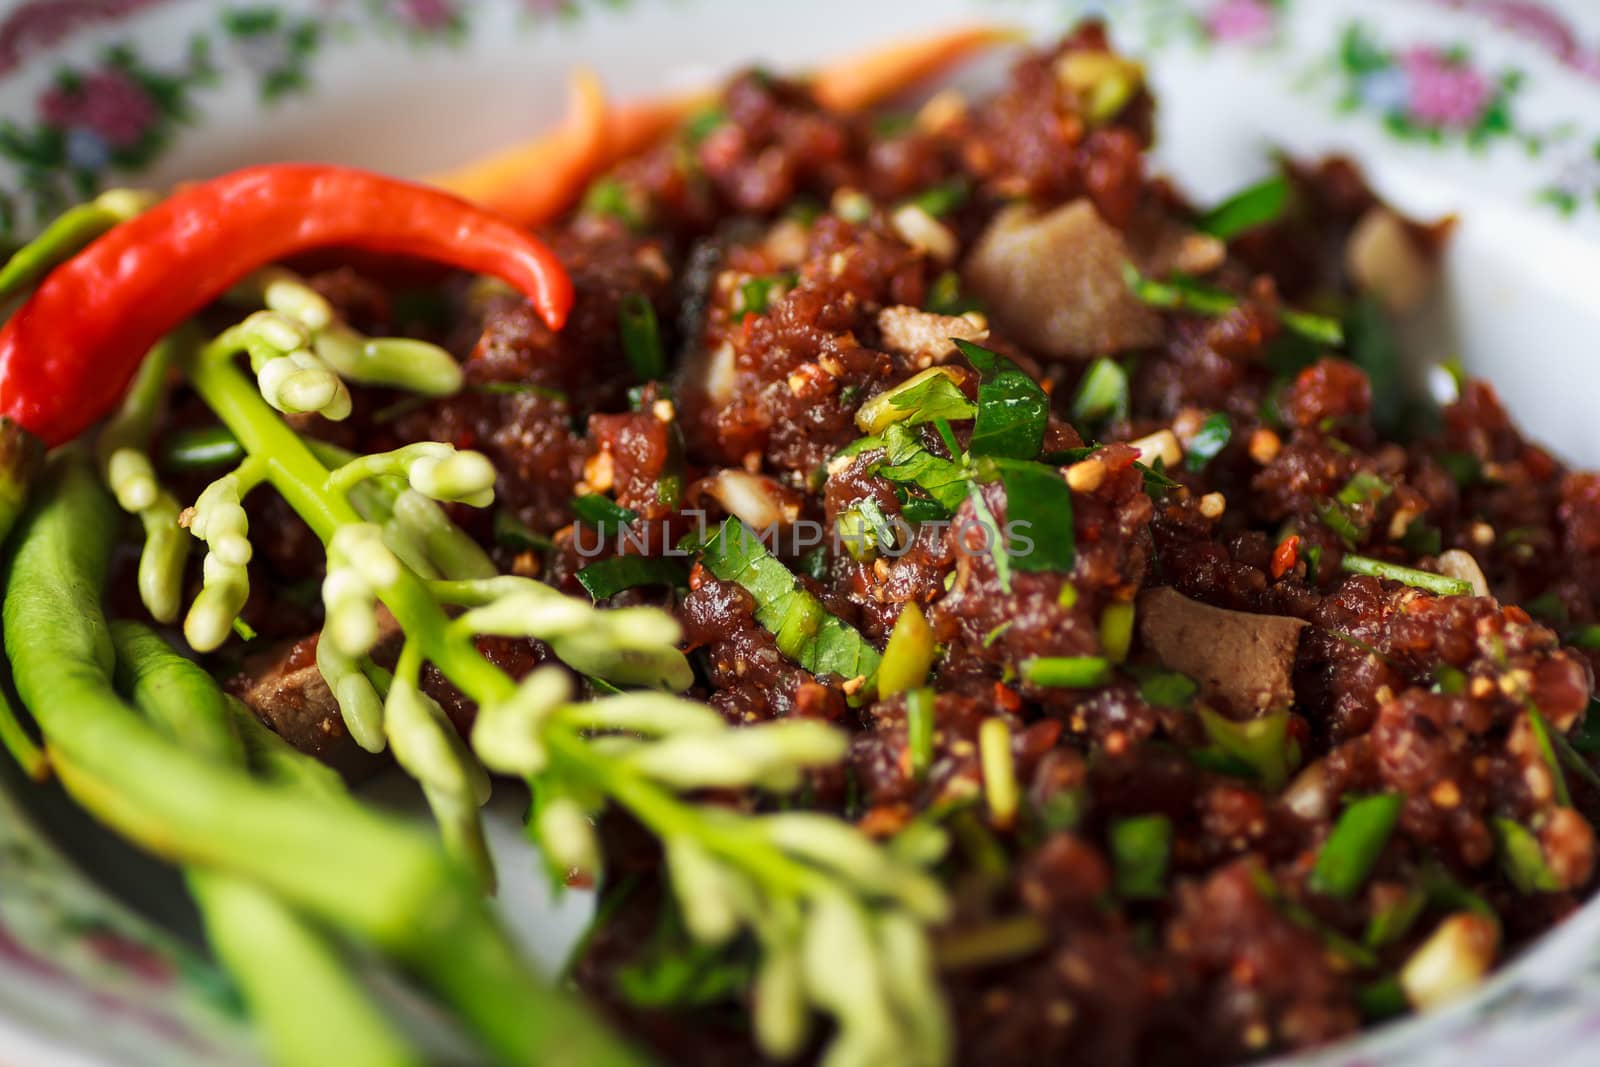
(1486,108)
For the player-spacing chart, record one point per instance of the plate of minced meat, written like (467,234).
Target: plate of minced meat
(900,534)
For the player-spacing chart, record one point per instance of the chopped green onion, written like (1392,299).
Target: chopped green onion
(799,626)
(1179,293)
(1383,999)
(1364,487)
(1063,810)
(1012,409)
(940,200)
(1585,736)
(919,729)
(1257,205)
(1444,891)
(609,577)
(1261,743)
(1208,441)
(1116,630)
(1437,584)
(1102,394)
(755,294)
(735,554)
(1422,538)
(1570,755)
(923,397)
(1543,738)
(999,770)
(1068,597)
(1066,672)
(641,337)
(1586,637)
(1318,328)
(909,654)
(1140,848)
(602,512)
(1352,849)
(1463,468)
(698,127)
(608,197)
(1374,348)
(1522,859)
(1392,921)
(945,296)
(200,449)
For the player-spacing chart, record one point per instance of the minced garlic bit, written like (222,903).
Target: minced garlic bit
(944,109)
(1455,563)
(1162,445)
(919,229)
(1212,505)
(663,410)
(1086,475)
(1264,446)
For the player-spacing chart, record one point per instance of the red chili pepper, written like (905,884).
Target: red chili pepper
(1285,556)
(67,354)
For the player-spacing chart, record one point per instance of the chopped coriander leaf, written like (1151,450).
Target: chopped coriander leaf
(602,512)
(1140,848)
(1156,481)
(735,554)
(940,200)
(923,397)
(1012,408)
(1348,855)
(1437,584)
(1208,441)
(920,509)
(1102,394)
(1254,206)
(641,337)
(1039,513)
(919,729)
(511,532)
(1261,743)
(1066,672)
(609,577)
(1522,859)
(1374,348)
(945,296)
(906,461)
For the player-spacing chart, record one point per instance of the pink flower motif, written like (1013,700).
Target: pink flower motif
(428,15)
(1445,92)
(1240,20)
(108,102)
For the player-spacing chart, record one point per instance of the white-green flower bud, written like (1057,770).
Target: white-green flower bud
(223,593)
(161,561)
(397,362)
(361,546)
(289,296)
(841,847)
(909,975)
(656,714)
(427,745)
(298,382)
(770,755)
(132,479)
(704,895)
(267,336)
(350,609)
(506,734)
(567,836)
(359,703)
(840,969)
(465,477)
(782,1017)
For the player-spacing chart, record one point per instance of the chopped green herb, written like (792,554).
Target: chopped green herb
(641,337)
(609,577)
(245,631)
(814,564)
(1422,538)
(1352,849)
(1063,810)
(1374,348)
(923,397)
(1392,921)
(1574,759)
(999,770)
(1180,293)
(735,554)
(1039,515)
(1167,689)
(1261,743)
(945,296)
(1437,584)
(511,532)
(1522,859)
(909,655)
(1066,672)
(1544,740)
(756,294)
(1585,736)
(1102,394)
(1208,441)
(608,197)
(602,512)
(919,729)
(682,973)
(698,127)
(1449,680)
(1012,408)
(1116,630)
(940,200)
(1140,848)
(1257,205)
(1586,636)
(1364,487)
(908,462)
(200,449)
(1319,328)
(1463,468)
(994,537)
(1382,999)
(1444,891)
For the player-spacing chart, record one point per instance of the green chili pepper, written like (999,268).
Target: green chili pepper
(1348,855)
